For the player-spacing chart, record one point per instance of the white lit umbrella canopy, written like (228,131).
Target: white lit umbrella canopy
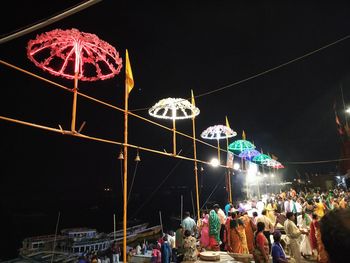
(173,109)
(218,132)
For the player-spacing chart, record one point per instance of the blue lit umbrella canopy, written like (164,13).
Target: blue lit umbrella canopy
(249,153)
(240,146)
(261,158)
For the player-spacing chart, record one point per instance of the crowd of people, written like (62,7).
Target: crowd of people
(286,227)
(283,227)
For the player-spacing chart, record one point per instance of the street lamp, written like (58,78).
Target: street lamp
(348,110)
(214,162)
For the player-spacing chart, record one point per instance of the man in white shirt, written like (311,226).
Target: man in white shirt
(293,233)
(189,224)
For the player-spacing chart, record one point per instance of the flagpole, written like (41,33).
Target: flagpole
(129,83)
(195,158)
(125,171)
(228,175)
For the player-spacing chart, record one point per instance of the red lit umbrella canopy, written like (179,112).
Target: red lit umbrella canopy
(74,55)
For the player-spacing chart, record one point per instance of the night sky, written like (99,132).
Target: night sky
(174,47)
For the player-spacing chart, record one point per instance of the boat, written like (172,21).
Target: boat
(74,242)
(129,231)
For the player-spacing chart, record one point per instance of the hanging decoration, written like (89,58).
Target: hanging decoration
(249,153)
(218,132)
(174,109)
(74,55)
(261,158)
(240,145)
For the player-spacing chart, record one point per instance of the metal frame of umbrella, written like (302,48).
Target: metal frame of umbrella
(74,55)
(174,109)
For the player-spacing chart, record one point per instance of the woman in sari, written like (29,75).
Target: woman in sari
(250,228)
(204,231)
(234,238)
(214,231)
(261,251)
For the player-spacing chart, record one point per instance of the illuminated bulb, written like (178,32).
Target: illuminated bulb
(348,110)
(272,175)
(236,166)
(214,162)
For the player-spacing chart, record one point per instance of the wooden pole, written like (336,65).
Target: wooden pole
(125,198)
(181,210)
(174,136)
(195,158)
(114,228)
(161,222)
(228,173)
(219,151)
(75,98)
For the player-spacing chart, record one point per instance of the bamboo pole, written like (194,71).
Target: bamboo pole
(195,158)
(219,150)
(75,97)
(125,198)
(174,135)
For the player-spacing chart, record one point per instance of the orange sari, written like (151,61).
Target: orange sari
(249,232)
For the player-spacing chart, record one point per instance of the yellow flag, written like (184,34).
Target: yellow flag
(192,99)
(227,123)
(243,135)
(274,156)
(129,80)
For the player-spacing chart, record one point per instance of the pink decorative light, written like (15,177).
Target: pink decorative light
(66,53)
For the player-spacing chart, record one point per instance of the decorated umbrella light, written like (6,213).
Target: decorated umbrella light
(249,153)
(273,163)
(174,109)
(218,132)
(239,146)
(74,55)
(261,158)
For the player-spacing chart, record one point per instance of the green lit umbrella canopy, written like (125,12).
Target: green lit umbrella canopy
(240,146)
(261,158)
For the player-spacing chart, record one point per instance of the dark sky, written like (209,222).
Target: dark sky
(174,47)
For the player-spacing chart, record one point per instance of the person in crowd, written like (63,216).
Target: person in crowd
(190,249)
(156,254)
(319,208)
(255,217)
(214,231)
(116,252)
(277,251)
(312,234)
(138,249)
(166,251)
(233,236)
(293,233)
(271,207)
(269,227)
(172,243)
(222,219)
(179,233)
(188,223)
(204,231)
(261,251)
(228,207)
(303,222)
(335,234)
(250,228)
